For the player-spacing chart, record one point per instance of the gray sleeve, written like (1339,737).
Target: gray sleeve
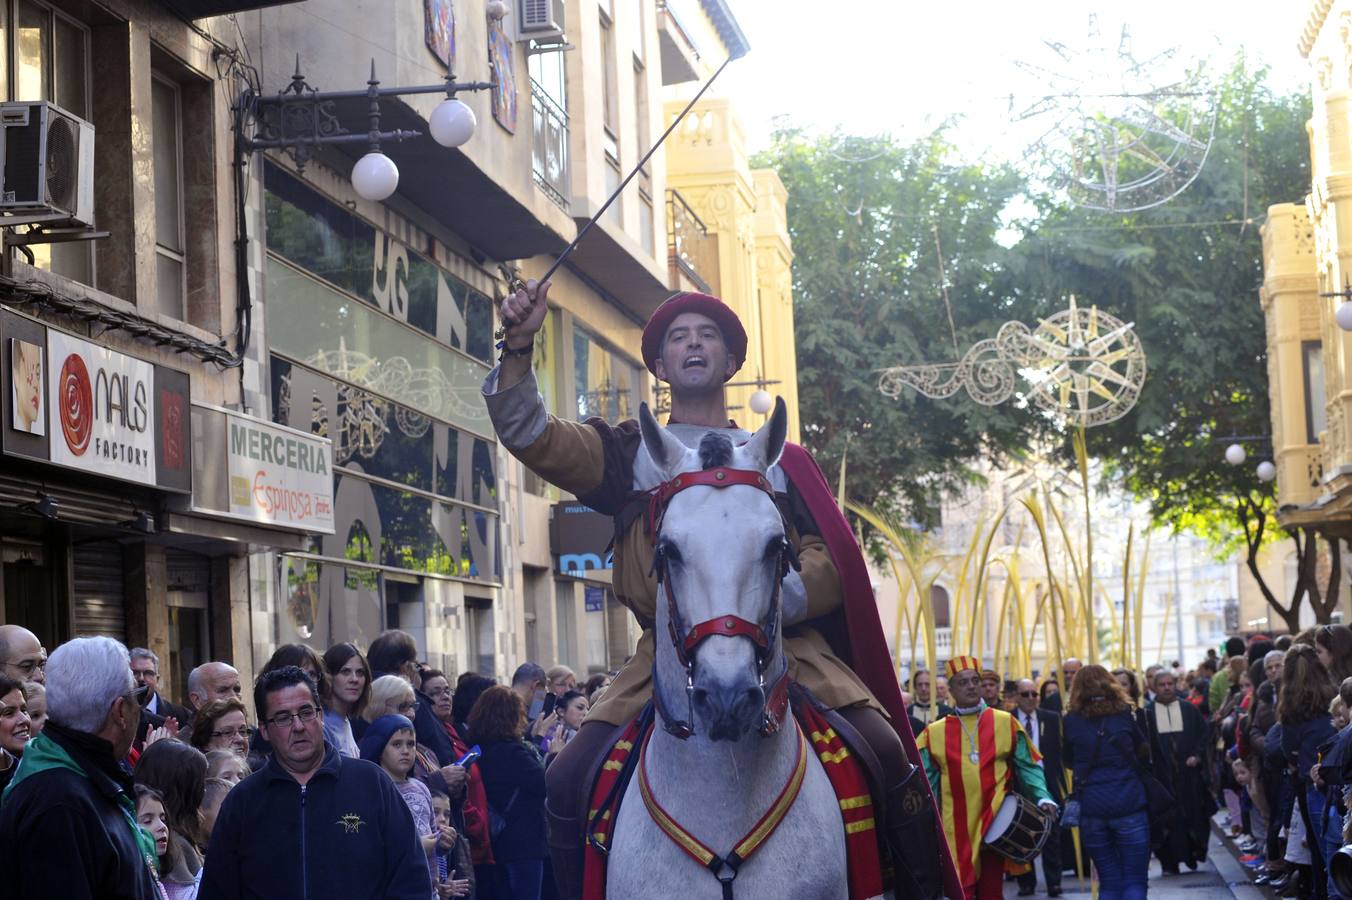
(518,412)
(794,595)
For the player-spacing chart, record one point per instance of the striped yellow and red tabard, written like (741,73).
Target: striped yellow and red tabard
(971,793)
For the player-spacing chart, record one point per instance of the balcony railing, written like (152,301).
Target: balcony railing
(549,145)
(691,250)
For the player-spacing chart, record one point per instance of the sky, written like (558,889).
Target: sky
(902,67)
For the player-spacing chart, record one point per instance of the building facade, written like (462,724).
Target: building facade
(1307,260)
(282,436)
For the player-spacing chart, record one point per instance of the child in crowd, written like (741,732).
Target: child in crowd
(212,798)
(227,766)
(448,882)
(151,817)
(391,743)
(36,696)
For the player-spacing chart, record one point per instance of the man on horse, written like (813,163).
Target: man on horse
(974,757)
(694,343)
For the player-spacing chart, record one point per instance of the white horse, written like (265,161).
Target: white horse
(719,757)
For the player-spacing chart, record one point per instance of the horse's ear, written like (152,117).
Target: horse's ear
(767,444)
(665,448)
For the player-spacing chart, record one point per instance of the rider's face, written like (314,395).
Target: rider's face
(694,357)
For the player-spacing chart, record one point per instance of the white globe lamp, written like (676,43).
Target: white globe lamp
(1266,471)
(375,176)
(1343,315)
(762,402)
(1235,455)
(452,123)
(496,9)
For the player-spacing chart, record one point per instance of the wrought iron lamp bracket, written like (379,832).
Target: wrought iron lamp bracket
(299,119)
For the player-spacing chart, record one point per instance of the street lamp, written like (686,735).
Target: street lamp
(1235,455)
(761,402)
(300,118)
(1343,314)
(1266,471)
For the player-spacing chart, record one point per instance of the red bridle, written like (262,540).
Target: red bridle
(687,641)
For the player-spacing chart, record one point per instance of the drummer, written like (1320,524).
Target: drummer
(971,757)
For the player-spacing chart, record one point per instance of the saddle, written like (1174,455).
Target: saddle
(851,767)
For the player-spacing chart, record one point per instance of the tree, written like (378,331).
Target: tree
(896,262)
(1187,273)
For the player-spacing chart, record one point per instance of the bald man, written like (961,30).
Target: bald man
(212,681)
(22,655)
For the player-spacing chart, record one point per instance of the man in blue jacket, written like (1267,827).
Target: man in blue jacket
(311,823)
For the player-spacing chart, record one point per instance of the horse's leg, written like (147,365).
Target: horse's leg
(908,822)
(567,782)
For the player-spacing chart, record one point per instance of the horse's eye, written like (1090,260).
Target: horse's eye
(775,549)
(669,552)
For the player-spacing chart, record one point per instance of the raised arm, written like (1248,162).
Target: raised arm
(590,459)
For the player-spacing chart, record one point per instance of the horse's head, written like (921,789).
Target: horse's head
(721,552)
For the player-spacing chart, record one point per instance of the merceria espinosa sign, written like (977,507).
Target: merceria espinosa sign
(278,475)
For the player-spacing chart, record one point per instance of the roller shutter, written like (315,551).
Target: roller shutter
(100,602)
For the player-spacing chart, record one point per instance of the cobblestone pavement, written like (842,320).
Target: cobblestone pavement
(1221,877)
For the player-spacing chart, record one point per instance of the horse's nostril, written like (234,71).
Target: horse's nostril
(753,696)
(700,696)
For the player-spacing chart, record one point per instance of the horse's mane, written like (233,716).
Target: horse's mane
(715,450)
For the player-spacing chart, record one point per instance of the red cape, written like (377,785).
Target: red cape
(861,636)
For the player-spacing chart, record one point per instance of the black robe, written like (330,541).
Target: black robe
(1182,836)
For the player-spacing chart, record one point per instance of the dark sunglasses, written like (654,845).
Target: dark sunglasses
(1027,693)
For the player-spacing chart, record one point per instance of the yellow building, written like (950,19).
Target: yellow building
(1307,251)
(729,231)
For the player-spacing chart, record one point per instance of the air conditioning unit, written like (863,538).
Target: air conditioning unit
(541,20)
(46,166)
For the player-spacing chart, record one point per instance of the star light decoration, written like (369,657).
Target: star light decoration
(1082,365)
(1118,134)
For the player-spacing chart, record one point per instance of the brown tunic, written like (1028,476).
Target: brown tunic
(603,465)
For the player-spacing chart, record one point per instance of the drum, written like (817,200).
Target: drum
(1018,830)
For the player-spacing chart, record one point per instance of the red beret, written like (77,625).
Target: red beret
(734,335)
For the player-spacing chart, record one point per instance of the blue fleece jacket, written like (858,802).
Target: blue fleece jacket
(1110,788)
(345,833)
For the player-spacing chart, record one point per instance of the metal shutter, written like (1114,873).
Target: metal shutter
(100,605)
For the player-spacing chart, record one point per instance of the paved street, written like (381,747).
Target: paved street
(1219,878)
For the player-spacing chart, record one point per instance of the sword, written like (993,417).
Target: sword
(516,284)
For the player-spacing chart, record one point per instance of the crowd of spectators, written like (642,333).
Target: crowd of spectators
(348,774)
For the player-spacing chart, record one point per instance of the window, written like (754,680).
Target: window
(167,146)
(51,62)
(647,236)
(1315,415)
(605,382)
(610,110)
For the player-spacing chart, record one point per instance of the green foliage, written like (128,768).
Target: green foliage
(863,215)
(1193,293)
(868,294)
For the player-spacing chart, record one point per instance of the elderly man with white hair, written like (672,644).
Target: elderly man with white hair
(68,819)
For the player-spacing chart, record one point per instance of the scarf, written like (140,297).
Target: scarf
(1168,718)
(44,752)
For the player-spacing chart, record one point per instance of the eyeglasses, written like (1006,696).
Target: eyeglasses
(232,733)
(29,666)
(305,714)
(407,707)
(440,692)
(1027,693)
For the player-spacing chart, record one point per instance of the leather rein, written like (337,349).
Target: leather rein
(686,641)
